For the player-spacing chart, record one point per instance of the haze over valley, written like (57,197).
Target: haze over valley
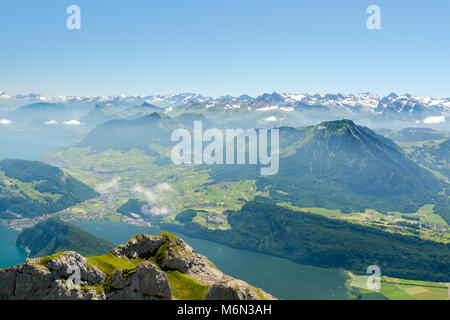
(358,169)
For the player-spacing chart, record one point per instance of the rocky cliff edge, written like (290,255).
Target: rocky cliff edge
(147,267)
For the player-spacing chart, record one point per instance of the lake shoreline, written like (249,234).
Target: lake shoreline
(280,277)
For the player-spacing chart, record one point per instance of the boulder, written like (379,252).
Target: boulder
(141,246)
(148,282)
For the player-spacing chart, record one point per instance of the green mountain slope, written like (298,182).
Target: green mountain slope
(434,155)
(142,111)
(54,235)
(415,134)
(41,112)
(311,239)
(125,135)
(99,114)
(340,165)
(32,188)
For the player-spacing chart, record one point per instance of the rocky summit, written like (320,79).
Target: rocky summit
(147,267)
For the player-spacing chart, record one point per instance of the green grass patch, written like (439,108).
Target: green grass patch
(109,263)
(258,292)
(162,251)
(169,235)
(428,215)
(186,288)
(43,261)
(403,289)
(394,292)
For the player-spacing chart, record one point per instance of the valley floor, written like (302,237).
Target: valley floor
(401,289)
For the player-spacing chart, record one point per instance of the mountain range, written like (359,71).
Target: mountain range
(399,106)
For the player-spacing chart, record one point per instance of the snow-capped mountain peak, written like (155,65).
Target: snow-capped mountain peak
(354,102)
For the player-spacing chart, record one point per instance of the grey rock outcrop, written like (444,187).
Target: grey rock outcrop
(148,282)
(140,246)
(63,267)
(52,280)
(234,290)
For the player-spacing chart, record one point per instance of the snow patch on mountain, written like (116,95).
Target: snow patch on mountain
(286,102)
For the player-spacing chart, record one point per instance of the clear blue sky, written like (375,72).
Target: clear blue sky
(217,47)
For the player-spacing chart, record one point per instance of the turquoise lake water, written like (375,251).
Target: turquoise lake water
(281,278)
(30,145)
(10,255)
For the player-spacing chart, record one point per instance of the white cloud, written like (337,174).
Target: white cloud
(72,123)
(5,121)
(432,120)
(147,193)
(154,196)
(159,211)
(272,118)
(109,187)
(164,187)
(268,108)
(51,122)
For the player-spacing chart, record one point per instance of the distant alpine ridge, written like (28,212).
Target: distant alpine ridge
(353,103)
